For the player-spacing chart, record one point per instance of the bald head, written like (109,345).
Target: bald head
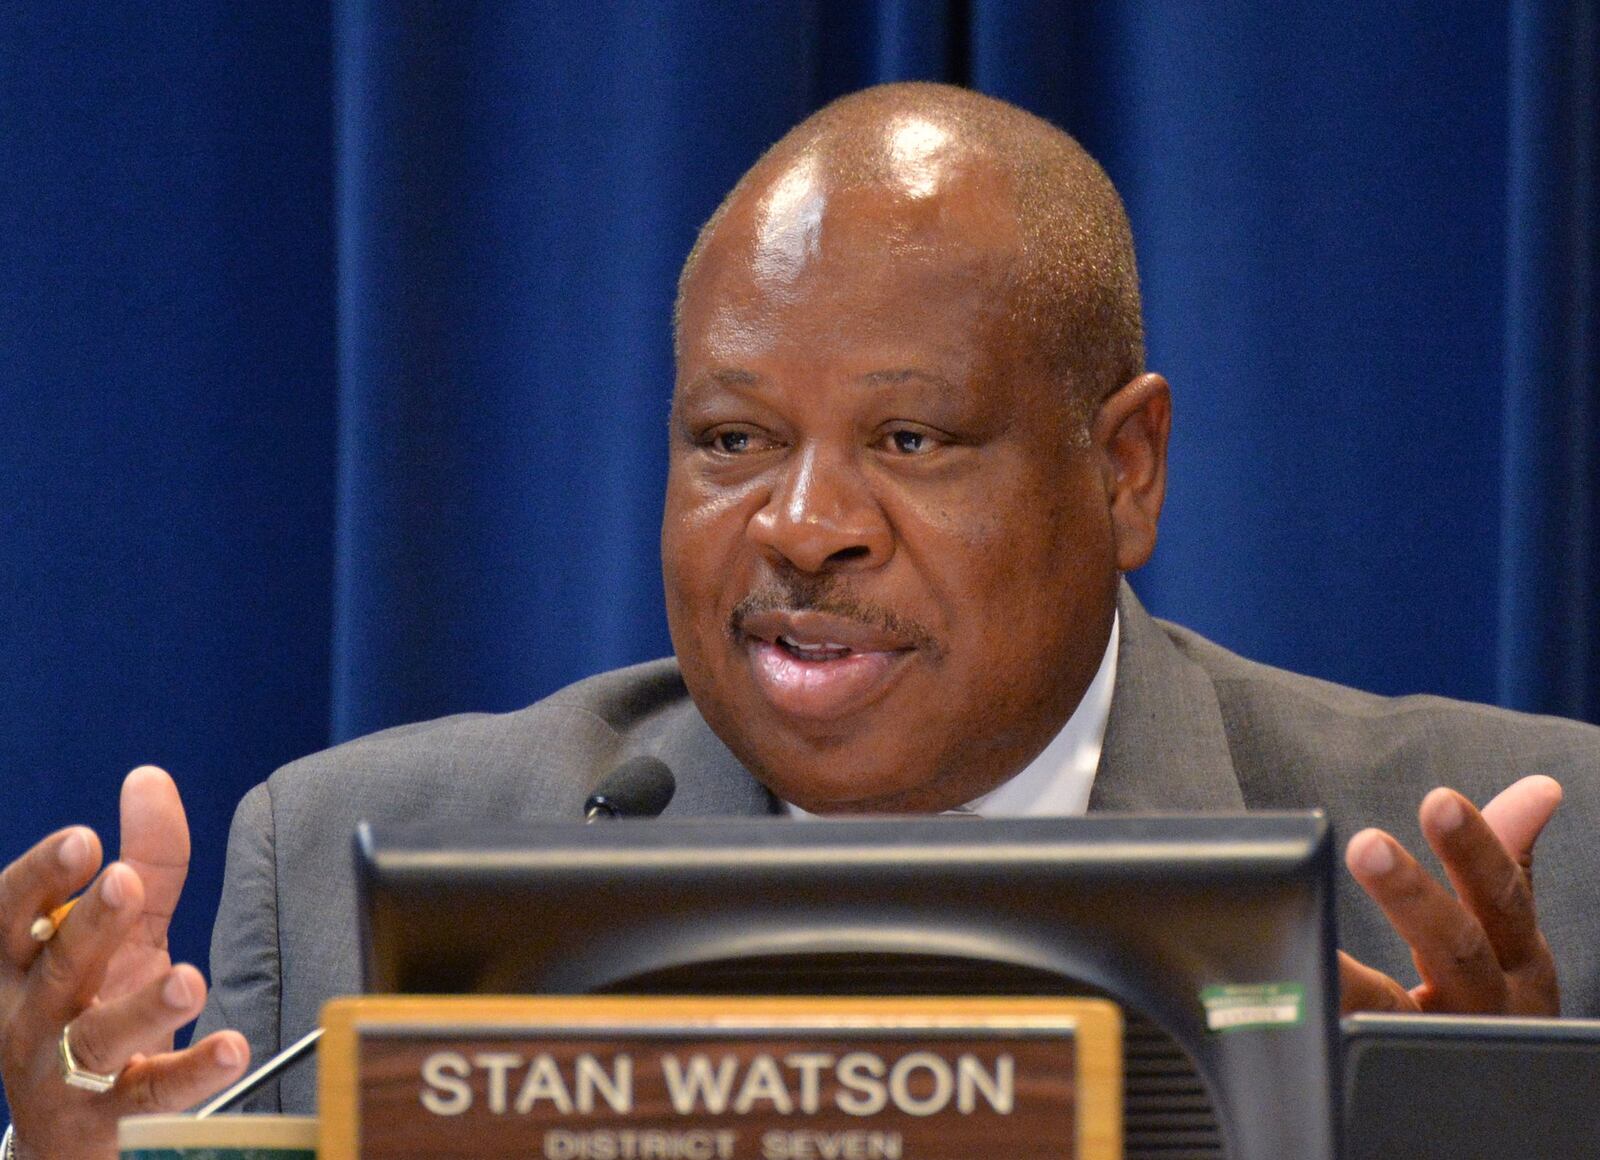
(894,531)
(1069,274)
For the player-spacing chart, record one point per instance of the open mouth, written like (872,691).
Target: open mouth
(816,666)
(820,651)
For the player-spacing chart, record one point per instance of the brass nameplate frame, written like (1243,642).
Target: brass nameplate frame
(614,1078)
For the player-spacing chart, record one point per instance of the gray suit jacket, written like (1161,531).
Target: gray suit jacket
(1192,727)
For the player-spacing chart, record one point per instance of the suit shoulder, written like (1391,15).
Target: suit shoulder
(536,759)
(1291,721)
(635,697)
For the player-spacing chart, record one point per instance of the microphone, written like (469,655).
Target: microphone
(640,787)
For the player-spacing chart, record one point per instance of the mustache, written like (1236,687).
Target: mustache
(824,594)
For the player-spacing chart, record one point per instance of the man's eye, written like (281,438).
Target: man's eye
(910,442)
(734,442)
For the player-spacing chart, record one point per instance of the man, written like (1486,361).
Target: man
(913,449)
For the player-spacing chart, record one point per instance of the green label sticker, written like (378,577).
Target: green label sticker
(1236,1006)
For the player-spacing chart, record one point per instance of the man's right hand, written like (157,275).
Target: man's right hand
(107,976)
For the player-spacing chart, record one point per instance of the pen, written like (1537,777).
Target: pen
(45,926)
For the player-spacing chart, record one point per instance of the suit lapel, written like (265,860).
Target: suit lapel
(1165,747)
(711,781)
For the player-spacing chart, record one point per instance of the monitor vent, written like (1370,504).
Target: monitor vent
(1167,1112)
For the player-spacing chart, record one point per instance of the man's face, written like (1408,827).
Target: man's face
(888,556)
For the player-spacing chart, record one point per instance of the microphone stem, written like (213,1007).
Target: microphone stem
(262,1074)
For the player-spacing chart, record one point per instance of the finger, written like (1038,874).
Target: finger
(72,964)
(1363,989)
(38,882)
(155,842)
(176,1080)
(1487,877)
(1451,950)
(1518,814)
(107,1035)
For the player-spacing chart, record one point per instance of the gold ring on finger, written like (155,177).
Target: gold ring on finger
(81,1077)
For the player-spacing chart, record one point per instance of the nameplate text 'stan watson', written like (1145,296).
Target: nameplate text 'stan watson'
(615,1078)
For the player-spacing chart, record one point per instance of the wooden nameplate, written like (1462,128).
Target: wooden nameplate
(617,1078)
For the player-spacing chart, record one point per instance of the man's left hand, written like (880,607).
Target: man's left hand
(1478,950)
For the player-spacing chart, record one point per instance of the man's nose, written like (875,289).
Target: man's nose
(822,516)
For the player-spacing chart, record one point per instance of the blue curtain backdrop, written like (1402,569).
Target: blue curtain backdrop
(334,347)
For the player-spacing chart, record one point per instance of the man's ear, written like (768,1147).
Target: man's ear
(1129,432)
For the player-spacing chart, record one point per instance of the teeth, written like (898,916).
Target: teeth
(825,646)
